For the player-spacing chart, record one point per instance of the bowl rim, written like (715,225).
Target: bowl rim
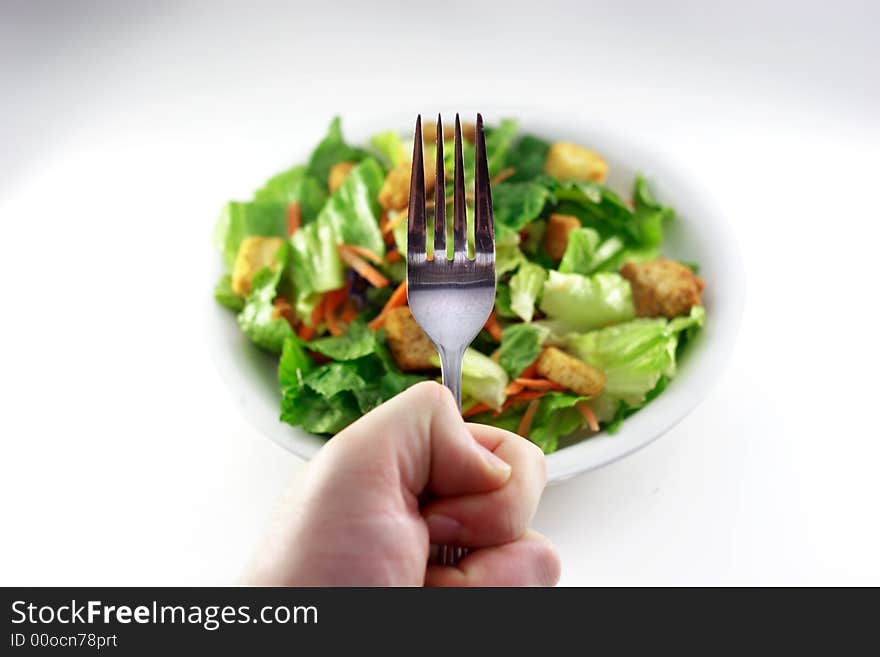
(706,359)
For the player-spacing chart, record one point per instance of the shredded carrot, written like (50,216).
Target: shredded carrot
(397,298)
(364,252)
(501,176)
(526,423)
(530,372)
(332,301)
(538,384)
(475,410)
(383,220)
(306,332)
(348,315)
(513,388)
(361,266)
(294,218)
(393,256)
(525,395)
(589,415)
(496,356)
(493,326)
(391,223)
(282,308)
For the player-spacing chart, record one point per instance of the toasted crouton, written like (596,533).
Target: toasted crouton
(571,372)
(254,253)
(338,173)
(394,194)
(662,287)
(411,348)
(568,161)
(556,237)
(429,132)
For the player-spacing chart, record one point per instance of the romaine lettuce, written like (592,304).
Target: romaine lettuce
(482,379)
(239,220)
(332,150)
(583,303)
(294,185)
(258,319)
(525,288)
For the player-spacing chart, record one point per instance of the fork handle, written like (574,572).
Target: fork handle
(450,369)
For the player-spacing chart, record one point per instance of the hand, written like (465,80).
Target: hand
(407,474)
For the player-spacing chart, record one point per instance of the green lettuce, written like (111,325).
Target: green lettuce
(633,355)
(580,252)
(527,156)
(348,217)
(224,295)
(315,264)
(332,150)
(602,209)
(482,379)
(353,210)
(327,398)
(582,303)
(515,205)
(520,346)
(498,140)
(295,185)
(388,147)
(525,288)
(239,220)
(555,418)
(257,319)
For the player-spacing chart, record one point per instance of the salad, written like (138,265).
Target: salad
(589,318)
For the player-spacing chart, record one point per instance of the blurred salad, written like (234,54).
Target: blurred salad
(589,319)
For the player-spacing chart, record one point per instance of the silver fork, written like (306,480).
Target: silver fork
(451,298)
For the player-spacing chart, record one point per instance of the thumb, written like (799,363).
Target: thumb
(421,433)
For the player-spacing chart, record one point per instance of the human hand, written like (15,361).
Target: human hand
(407,474)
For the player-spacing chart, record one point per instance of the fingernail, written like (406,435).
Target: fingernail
(499,467)
(442,529)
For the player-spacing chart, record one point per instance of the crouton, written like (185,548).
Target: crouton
(662,287)
(394,194)
(411,348)
(254,253)
(556,237)
(429,132)
(570,372)
(338,173)
(568,161)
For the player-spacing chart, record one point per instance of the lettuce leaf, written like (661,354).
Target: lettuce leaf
(225,296)
(514,205)
(520,346)
(525,288)
(332,150)
(239,220)
(580,252)
(315,264)
(389,148)
(634,355)
(527,156)
(482,379)
(362,376)
(257,319)
(294,185)
(498,140)
(555,418)
(353,210)
(583,303)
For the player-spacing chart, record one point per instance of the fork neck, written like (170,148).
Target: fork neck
(450,368)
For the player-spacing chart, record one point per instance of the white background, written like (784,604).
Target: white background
(125,126)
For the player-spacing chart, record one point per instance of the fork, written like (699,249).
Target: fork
(450,298)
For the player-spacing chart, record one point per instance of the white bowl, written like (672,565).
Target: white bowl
(699,234)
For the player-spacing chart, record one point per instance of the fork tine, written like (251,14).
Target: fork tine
(459,208)
(417,225)
(439,198)
(484,228)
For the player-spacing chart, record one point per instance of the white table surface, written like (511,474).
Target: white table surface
(125,128)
